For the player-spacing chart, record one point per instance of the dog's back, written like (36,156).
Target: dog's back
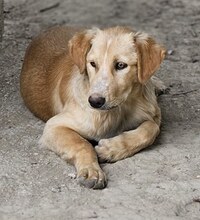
(36,76)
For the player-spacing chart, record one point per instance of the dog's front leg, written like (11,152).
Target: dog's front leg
(75,149)
(128,143)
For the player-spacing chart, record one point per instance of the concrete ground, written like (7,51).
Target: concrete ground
(1,19)
(161,182)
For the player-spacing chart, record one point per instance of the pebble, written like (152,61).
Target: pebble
(72,175)
(170,52)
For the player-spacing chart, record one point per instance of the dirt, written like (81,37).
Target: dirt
(161,182)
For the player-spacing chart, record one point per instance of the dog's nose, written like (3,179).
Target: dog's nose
(96,101)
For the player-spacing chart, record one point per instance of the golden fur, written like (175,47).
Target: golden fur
(63,67)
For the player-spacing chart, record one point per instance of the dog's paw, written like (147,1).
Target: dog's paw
(110,150)
(103,151)
(160,87)
(162,90)
(92,177)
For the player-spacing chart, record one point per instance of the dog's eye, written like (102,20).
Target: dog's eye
(120,66)
(93,64)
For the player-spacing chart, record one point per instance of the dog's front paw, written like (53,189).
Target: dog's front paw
(92,177)
(110,150)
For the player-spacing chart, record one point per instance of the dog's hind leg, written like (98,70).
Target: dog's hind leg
(160,87)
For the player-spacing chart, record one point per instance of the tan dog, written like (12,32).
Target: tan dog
(93,85)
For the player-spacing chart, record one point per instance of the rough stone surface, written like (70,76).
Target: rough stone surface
(1,19)
(161,182)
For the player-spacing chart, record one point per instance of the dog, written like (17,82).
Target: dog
(93,84)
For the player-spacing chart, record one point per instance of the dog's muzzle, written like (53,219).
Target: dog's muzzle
(96,101)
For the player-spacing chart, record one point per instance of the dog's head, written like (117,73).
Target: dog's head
(115,60)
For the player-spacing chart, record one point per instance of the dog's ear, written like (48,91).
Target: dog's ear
(150,55)
(79,46)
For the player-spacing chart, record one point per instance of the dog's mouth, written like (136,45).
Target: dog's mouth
(99,103)
(107,107)
(104,108)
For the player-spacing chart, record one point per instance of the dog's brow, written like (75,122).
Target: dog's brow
(106,52)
